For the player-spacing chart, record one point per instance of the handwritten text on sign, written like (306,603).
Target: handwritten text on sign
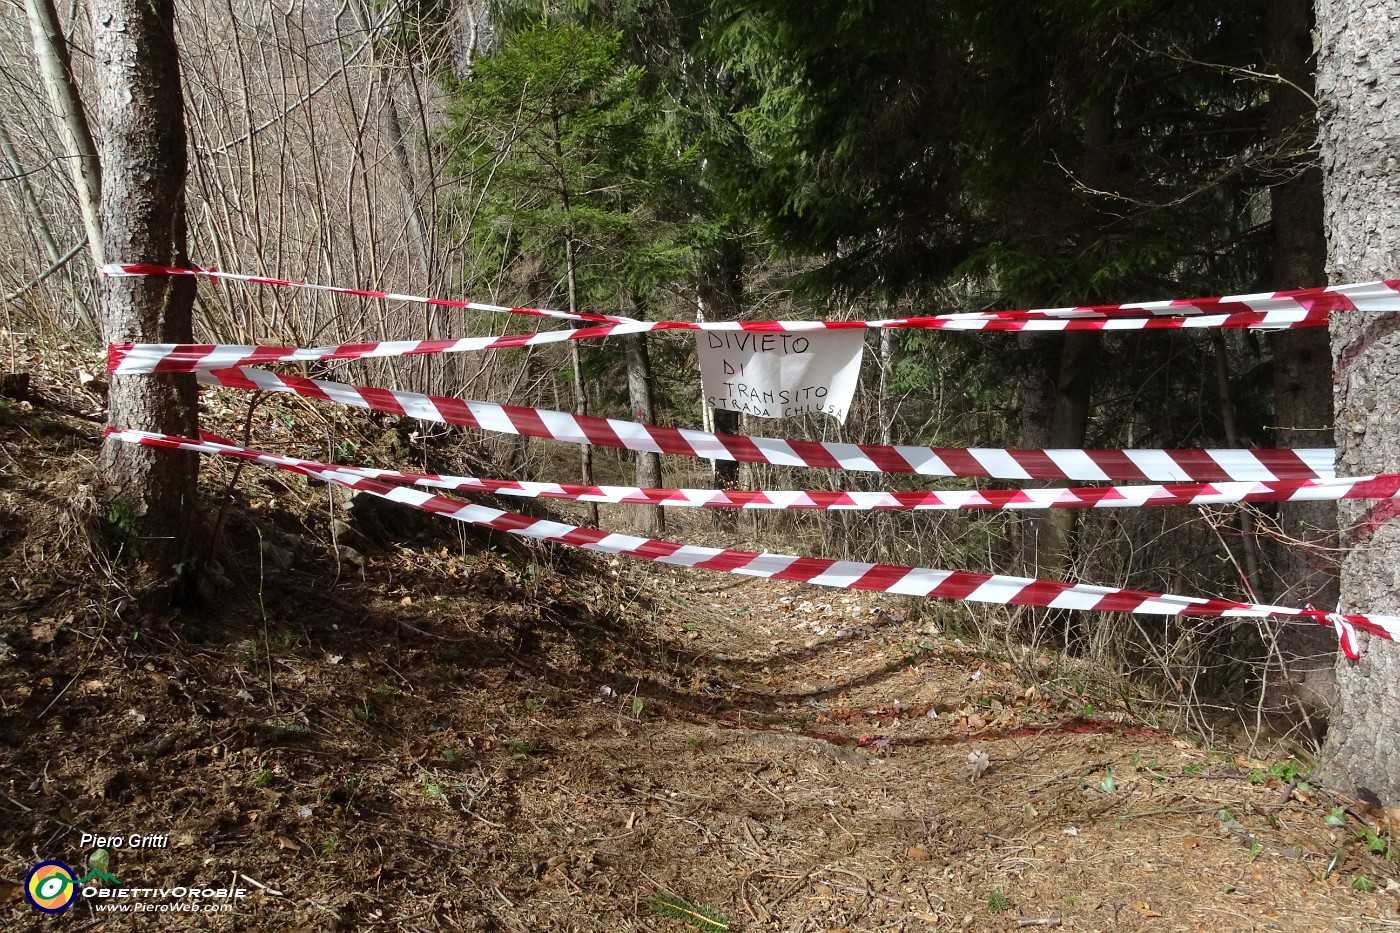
(779,375)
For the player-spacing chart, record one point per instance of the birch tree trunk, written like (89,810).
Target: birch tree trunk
(51,49)
(140,116)
(1358,85)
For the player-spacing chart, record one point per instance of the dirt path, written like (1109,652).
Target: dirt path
(972,798)
(455,739)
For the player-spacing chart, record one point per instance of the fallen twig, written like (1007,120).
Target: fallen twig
(435,843)
(258,884)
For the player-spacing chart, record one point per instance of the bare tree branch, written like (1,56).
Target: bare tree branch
(306,98)
(59,264)
(45,234)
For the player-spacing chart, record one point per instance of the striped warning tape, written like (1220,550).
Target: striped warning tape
(1182,494)
(1179,466)
(1308,307)
(119,270)
(1281,313)
(884,578)
(135,358)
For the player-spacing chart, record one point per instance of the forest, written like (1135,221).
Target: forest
(341,712)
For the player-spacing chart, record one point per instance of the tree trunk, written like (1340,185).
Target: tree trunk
(580,395)
(1068,427)
(141,118)
(1358,84)
(581,409)
(392,127)
(723,291)
(1304,569)
(1302,363)
(571,271)
(885,404)
(1036,397)
(51,48)
(1074,376)
(1249,543)
(650,519)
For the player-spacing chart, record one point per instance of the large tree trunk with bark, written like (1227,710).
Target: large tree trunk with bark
(1358,85)
(140,117)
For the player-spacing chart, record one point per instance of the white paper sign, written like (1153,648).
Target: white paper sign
(780,374)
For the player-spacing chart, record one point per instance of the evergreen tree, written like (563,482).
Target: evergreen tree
(574,181)
(1019,155)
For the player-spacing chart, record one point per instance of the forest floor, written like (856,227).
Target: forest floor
(416,728)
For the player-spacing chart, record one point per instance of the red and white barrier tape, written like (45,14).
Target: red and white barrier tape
(135,358)
(1189,494)
(120,270)
(1306,307)
(1182,466)
(884,578)
(1268,310)
(125,359)
(1346,635)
